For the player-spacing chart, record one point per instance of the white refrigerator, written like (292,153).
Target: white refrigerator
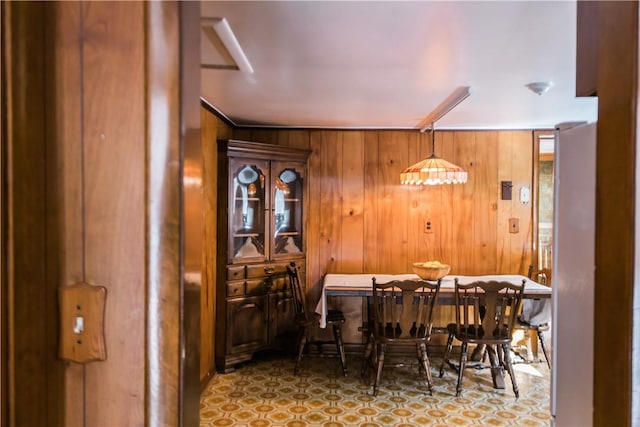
(573,275)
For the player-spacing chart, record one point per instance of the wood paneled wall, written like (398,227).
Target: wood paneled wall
(93,149)
(212,129)
(361,220)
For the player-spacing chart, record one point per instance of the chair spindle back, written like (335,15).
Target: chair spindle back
(403,309)
(487,310)
(296,292)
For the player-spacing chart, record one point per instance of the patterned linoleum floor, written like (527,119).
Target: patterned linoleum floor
(265,392)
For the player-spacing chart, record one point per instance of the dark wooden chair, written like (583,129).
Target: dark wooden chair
(485,315)
(535,314)
(306,320)
(400,314)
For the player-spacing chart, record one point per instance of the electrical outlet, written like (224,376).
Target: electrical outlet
(428,227)
(514,225)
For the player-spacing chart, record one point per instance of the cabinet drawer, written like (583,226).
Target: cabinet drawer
(257,287)
(264,270)
(235,272)
(235,289)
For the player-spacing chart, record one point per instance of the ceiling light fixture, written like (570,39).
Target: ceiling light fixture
(230,42)
(433,170)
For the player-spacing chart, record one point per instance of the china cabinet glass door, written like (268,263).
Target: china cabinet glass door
(287,202)
(247,210)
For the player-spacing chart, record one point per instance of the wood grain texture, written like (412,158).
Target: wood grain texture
(4,264)
(616,192)
(470,223)
(371,202)
(64,173)
(165,326)
(522,174)
(313,186)
(463,246)
(32,365)
(212,129)
(393,200)
(352,214)
(330,203)
(485,203)
(114,203)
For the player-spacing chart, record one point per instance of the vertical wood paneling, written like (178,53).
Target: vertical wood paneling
(294,138)
(447,208)
(349,168)
(416,209)
(314,213)
(504,254)
(522,172)
(463,244)
(428,247)
(33,369)
(352,216)
(64,173)
(212,129)
(371,201)
(393,203)
(114,166)
(351,224)
(485,203)
(210,212)
(330,202)
(330,222)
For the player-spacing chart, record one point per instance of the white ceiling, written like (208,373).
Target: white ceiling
(373,64)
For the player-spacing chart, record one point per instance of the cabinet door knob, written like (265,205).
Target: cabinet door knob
(269,270)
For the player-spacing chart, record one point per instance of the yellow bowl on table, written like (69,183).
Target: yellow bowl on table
(431,270)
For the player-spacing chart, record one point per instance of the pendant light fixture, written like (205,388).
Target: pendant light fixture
(434,170)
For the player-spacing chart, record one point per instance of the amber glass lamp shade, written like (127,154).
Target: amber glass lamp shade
(433,171)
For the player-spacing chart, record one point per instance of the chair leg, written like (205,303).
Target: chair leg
(380,352)
(366,357)
(544,347)
(337,335)
(463,363)
(529,344)
(424,363)
(302,340)
(447,353)
(507,361)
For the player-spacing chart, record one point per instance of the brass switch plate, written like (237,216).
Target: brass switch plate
(82,308)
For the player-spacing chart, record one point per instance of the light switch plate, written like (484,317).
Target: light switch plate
(82,308)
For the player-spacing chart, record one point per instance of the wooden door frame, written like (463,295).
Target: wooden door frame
(535,193)
(172,385)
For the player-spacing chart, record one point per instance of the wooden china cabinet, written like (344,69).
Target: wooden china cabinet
(260,230)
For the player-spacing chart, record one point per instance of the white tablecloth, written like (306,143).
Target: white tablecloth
(359,284)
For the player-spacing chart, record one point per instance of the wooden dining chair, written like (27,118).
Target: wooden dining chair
(305,320)
(485,315)
(401,314)
(535,315)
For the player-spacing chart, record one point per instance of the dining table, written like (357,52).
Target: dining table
(360,285)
